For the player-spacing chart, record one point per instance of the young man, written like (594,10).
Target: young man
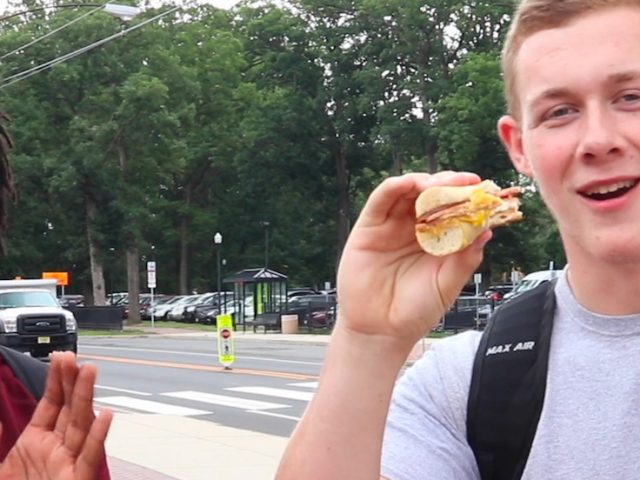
(572,72)
(47,431)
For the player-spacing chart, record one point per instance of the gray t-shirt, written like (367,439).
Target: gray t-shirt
(590,421)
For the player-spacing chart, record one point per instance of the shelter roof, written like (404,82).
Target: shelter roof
(256,275)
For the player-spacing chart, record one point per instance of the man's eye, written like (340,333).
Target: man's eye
(559,112)
(630,97)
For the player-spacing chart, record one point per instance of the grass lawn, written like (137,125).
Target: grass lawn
(101,333)
(182,325)
(145,328)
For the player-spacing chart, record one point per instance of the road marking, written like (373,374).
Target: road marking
(279,415)
(225,401)
(151,407)
(274,392)
(208,368)
(304,384)
(213,355)
(124,390)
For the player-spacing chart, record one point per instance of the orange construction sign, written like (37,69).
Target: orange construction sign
(61,277)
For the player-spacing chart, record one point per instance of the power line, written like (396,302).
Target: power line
(39,39)
(45,66)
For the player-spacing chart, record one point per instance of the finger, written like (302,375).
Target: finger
(48,409)
(406,188)
(457,269)
(93,450)
(69,370)
(81,415)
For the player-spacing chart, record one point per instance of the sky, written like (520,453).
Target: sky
(215,3)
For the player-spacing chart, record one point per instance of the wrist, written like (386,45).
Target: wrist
(372,348)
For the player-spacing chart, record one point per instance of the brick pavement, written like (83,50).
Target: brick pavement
(123,470)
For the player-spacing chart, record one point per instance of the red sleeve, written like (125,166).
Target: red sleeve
(17,407)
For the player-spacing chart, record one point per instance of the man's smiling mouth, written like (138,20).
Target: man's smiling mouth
(610,191)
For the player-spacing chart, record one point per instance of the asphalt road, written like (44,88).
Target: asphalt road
(266,390)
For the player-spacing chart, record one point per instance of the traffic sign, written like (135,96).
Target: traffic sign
(226,353)
(151,274)
(61,277)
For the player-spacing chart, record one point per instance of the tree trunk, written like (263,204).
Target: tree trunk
(95,261)
(184,245)
(396,156)
(432,159)
(344,203)
(133,284)
(132,254)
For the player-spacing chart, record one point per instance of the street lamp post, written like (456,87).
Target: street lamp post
(266,224)
(217,240)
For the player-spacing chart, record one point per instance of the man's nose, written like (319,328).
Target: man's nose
(601,138)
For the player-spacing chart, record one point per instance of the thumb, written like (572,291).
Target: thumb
(457,271)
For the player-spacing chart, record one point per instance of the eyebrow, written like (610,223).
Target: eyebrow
(624,77)
(555,93)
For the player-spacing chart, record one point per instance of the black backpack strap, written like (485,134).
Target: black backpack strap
(508,383)
(31,372)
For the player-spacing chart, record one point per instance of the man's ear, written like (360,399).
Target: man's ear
(511,136)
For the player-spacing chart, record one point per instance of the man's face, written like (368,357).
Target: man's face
(579,135)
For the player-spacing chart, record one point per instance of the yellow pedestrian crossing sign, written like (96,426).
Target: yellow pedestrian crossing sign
(226,353)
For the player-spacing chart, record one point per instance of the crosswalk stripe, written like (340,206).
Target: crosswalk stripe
(304,384)
(124,390)
(278,415)
(226,401)
(150,406)
(274,392)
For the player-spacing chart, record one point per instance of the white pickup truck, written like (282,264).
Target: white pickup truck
(31,319)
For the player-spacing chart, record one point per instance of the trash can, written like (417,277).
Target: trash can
(289,323)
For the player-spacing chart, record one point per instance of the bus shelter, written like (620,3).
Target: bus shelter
(260,296)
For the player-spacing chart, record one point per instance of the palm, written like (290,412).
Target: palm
(387,284)
(64,440)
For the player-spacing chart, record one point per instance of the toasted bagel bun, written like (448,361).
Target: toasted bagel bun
(435,197)
(450,240)
(450,218)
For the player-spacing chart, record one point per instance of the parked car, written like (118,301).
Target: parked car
(206,300)
(497,291)
(145,310)
(209,308)
(531,281)
(305,305)
(324,318)
(176,311)
(143,300)
(296,292)
(160,311)
(116,298)
(71,301)
(240,311)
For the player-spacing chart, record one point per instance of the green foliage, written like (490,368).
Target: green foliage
(214,121)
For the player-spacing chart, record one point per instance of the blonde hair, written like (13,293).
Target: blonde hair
(533,16)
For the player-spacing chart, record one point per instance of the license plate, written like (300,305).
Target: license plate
(44,339)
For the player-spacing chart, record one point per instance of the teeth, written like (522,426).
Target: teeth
(610,188)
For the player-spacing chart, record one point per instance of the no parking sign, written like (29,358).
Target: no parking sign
(226,354)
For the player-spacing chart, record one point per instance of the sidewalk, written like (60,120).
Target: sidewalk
(164,447)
